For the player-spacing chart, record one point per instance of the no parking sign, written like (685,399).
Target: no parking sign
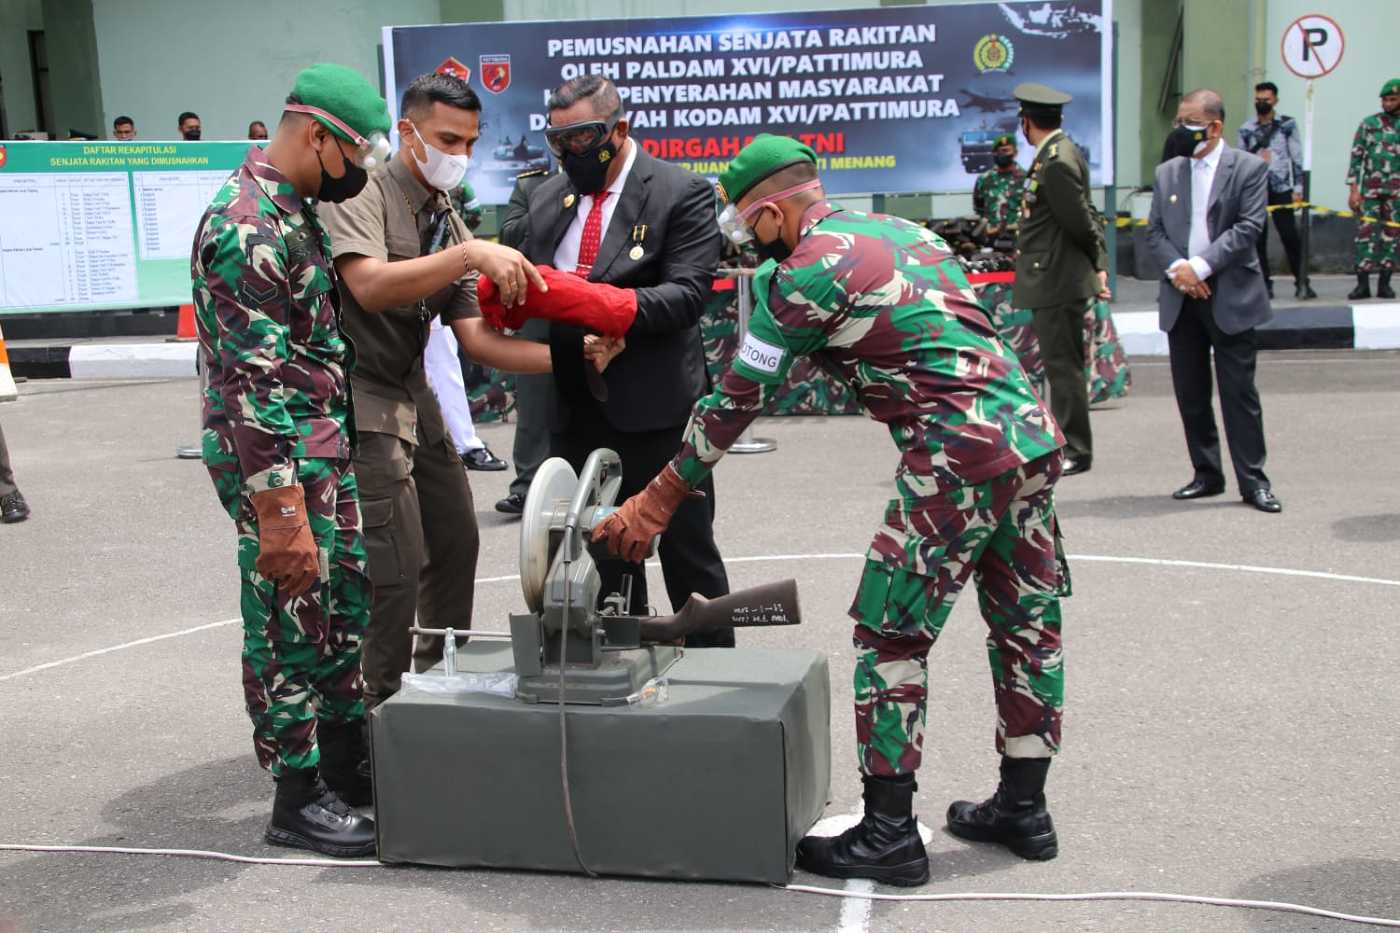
(1313,45)
(1312,48)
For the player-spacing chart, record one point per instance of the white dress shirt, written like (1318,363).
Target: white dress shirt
(566,256)
(1202,178)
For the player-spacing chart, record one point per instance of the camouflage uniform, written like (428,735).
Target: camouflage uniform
(1375,170)
(997,196)
(882,303)
(277,412)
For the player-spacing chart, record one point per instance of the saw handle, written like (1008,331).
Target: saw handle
(766,605)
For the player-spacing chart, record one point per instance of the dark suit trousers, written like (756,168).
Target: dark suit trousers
(690,561)
(7,476)
(1191,342)
(422,542)
(1063,345)
(1287,232)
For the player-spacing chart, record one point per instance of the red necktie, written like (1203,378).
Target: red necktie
(592,236)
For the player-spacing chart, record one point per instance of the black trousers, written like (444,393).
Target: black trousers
(534,397)
(690,560)
(1287,232)
(1063,346)
(1191,342)
(7,476)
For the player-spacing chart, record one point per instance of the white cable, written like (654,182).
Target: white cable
(1279,906)
(199,853)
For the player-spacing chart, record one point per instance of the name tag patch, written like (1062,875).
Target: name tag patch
(760,355)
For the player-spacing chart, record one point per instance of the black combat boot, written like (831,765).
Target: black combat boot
(345,761)
(1363,287)
(1015,816)
(884,846)
(308,815)
(1383,289)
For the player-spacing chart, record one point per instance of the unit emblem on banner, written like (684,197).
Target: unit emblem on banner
(495,72)
(4,156)
(456,69)
(993,52)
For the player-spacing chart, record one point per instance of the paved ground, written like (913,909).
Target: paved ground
(1228,730)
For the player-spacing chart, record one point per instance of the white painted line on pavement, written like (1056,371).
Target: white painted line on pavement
(855,912)
(771,558)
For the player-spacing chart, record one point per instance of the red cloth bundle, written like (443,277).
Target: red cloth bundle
(605,309)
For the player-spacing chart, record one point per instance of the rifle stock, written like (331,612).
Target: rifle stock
(766,605)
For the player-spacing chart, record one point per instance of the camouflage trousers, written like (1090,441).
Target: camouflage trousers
(1377,243)
(301,657)
(1004,534)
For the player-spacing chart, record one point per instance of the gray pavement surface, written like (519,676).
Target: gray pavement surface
(1228,732)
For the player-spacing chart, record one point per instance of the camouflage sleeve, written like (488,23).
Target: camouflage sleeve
(781,328)
(1357,166)
(246,261)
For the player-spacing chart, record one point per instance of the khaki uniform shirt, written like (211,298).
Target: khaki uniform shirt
(397,218)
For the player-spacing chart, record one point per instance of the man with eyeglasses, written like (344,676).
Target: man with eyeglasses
(618,217)
(277,440)
(885,303)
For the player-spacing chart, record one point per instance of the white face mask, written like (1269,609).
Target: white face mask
(442,171)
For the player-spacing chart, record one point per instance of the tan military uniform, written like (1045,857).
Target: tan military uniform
(419,517)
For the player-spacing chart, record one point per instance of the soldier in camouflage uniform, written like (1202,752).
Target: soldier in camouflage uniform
(883,302)
(997,194)
(1374,179)
(277,441)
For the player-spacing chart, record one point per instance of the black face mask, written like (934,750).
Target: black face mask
(589,171)
(335,190)
(775,249)
(1182,141)
(1003,160)
(191,135)
(1262,107)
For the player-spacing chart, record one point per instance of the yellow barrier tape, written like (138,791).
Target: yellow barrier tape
(1315,208)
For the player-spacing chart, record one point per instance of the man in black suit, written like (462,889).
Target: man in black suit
(1208,211)
(618,216)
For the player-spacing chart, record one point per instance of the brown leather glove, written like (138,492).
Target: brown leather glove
(287,553)
(630,529)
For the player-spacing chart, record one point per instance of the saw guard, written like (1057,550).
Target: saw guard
(550,491)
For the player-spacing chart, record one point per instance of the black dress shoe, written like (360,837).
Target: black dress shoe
(1304,291)
(1199,489)
(1075,465)
(13,508)
(512,504)
(1264,500)
(481,458)
(309,815)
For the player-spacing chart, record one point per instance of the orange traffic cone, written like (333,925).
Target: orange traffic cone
(8,391)
(184,328)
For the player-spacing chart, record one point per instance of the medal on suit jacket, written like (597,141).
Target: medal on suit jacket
(639,233)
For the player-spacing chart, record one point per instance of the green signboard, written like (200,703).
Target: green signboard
(102,225)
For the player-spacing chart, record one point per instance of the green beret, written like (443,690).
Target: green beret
(759,159)
(1391,87)
(345,94)
(1005,139)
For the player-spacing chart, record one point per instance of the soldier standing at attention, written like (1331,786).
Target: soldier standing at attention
(997,195)
(1374,179)
(1061,264)
(277,442)
(884,303)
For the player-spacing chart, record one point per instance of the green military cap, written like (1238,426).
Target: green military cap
(1005,139)
(759,159)
(1391,87)
(346,96)
(1037,99)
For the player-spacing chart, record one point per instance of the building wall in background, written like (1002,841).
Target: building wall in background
(73,67)
(161,57)
(1344,96)
(17,18)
